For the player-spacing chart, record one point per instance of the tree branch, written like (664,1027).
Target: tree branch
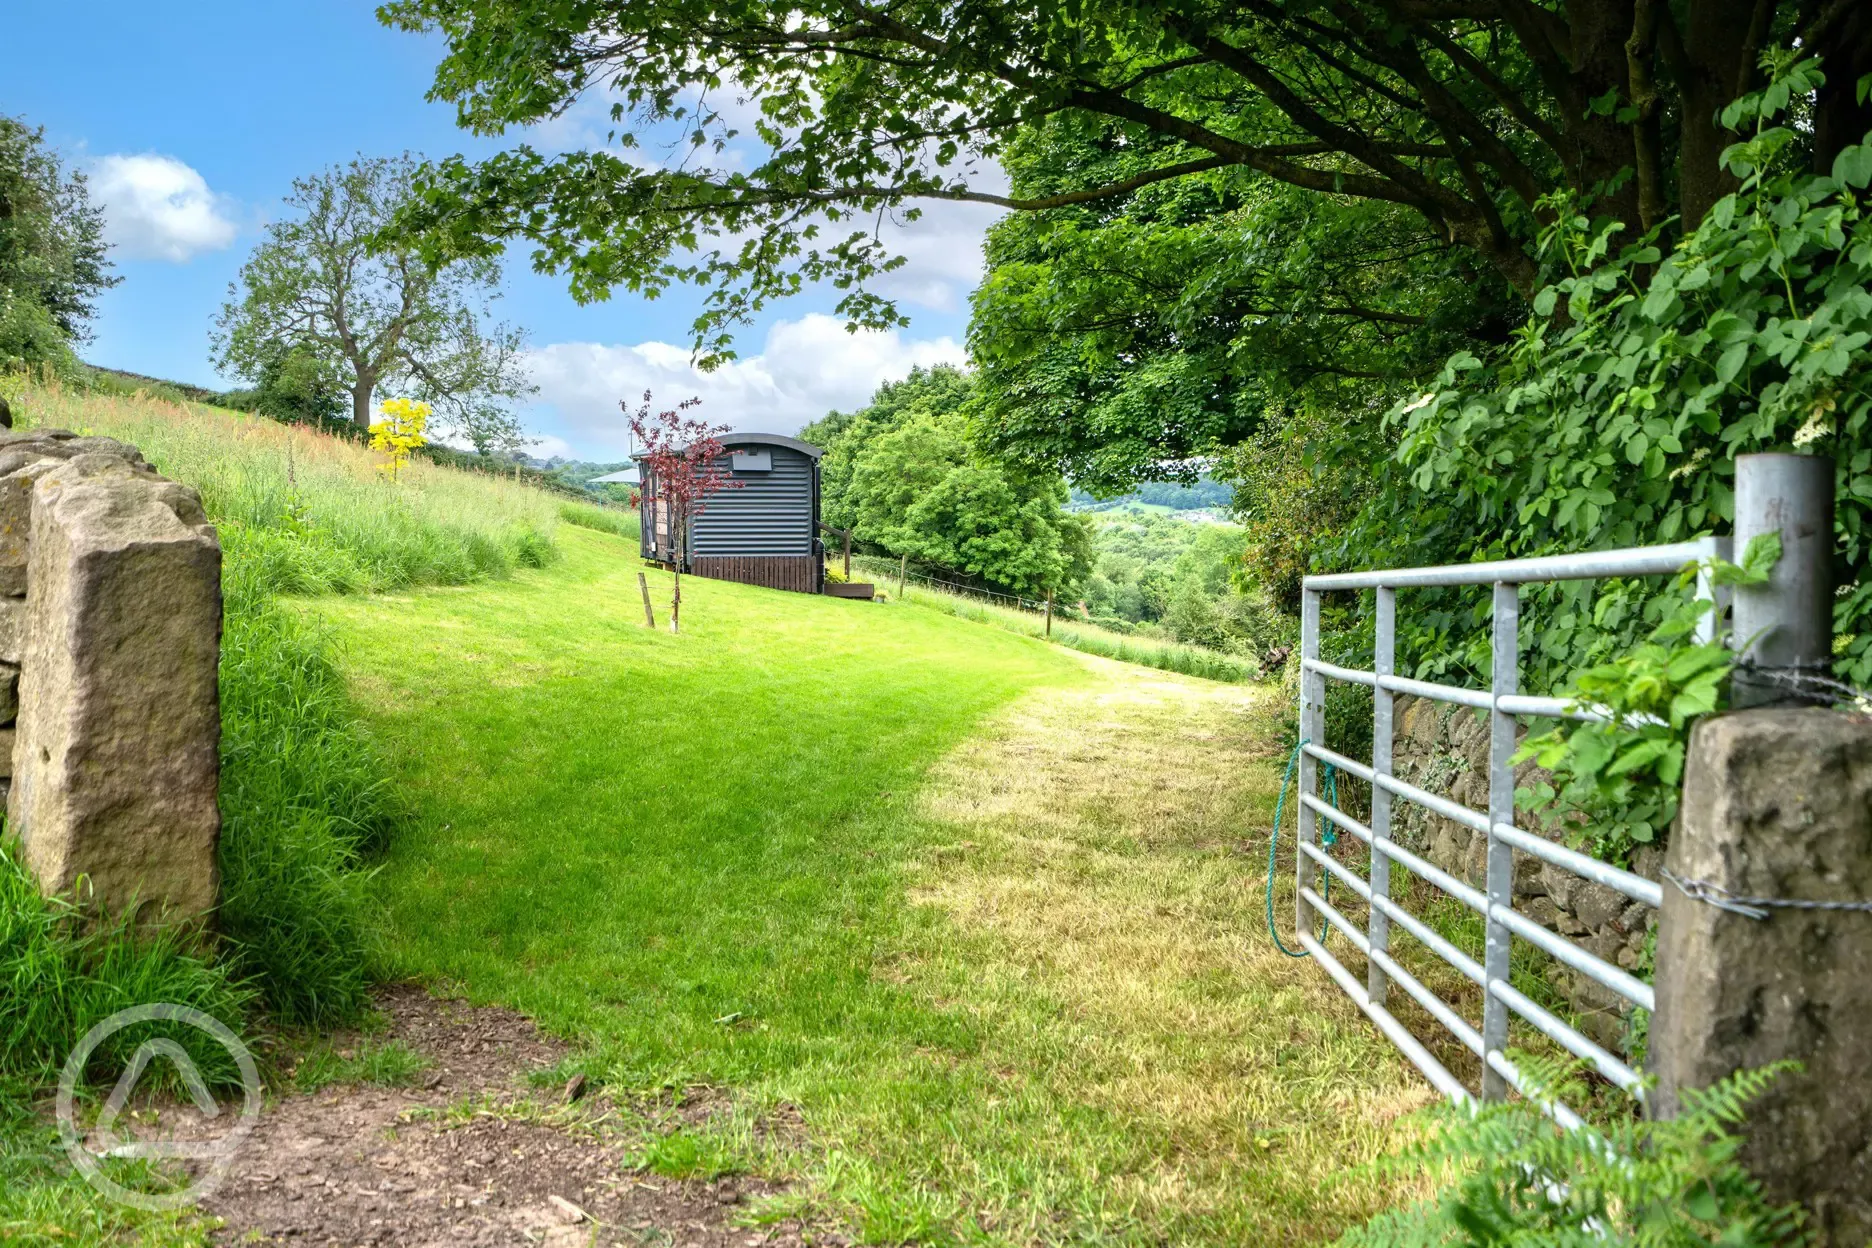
(1098,99)
(1758,25)
(1157,71)
(1381,89)
(1505,95)
(1549,44)
(1450,114)
(1068,198)
(1813,31)
(1419,189)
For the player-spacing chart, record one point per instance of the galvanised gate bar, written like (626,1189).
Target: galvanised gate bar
(1505,704)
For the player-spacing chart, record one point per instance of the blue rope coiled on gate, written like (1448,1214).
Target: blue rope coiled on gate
(1328,835)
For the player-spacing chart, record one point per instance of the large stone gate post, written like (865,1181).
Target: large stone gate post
(1777,805)
(115,756)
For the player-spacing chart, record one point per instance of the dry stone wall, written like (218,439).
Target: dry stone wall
(110,631)
(1445,749)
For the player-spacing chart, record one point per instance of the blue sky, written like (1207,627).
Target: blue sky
(193,119)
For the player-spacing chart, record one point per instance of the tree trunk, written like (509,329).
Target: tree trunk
(361,404)
(1602,144)
(679,550)
(1717,67)
(1840,120)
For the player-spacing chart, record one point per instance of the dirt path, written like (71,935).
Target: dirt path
(475,1153)
(1122,1054)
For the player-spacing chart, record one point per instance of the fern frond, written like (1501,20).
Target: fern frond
(1514,1178)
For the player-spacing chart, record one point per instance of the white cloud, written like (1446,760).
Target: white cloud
(806,368)
(157,208)
(587,124)
(546,446)
(538,445)
(942,248)
(942,253)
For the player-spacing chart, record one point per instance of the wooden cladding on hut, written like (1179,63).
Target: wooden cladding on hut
(797,573)
(764,531)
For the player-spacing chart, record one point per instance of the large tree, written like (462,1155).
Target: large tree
(1466,113)
(53,258)
(327,286)
(1132,337)
(904,476)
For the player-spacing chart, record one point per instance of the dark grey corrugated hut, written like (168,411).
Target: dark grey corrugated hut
(763,532)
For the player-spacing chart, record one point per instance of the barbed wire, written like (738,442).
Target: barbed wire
(1755,907)
(1805,681)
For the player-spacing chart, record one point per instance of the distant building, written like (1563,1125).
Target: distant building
(764,531)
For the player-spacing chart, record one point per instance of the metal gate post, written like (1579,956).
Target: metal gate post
(1784,628)
(1384,654)
(1312,728)
(1497,948)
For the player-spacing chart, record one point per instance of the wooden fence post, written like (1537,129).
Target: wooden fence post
(1049,622)
(903,568)
(643,584)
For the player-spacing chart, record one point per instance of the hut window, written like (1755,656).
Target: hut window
(753,461)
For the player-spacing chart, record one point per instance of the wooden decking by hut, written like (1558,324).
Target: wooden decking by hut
(765,531)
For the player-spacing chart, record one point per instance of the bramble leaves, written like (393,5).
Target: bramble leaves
(1614,421)
(1764,551)
(1616,783)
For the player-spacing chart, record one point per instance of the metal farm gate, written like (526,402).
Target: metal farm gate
(1504,704)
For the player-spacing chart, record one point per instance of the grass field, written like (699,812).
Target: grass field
(957,931)
(1170,656)
(971,912)
(306,512)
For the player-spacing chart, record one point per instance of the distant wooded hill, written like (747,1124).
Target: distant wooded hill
(577,472)
(1205,494)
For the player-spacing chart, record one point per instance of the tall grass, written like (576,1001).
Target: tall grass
(620,521)
(44,1203)
(310,512)
(303,805)
(1170,656)
(303,802)
(61,974)
(59,977)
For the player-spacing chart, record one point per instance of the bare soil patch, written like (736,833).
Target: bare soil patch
(474,1153)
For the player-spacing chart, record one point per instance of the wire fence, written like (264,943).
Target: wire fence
(884,571)
(1017,613)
